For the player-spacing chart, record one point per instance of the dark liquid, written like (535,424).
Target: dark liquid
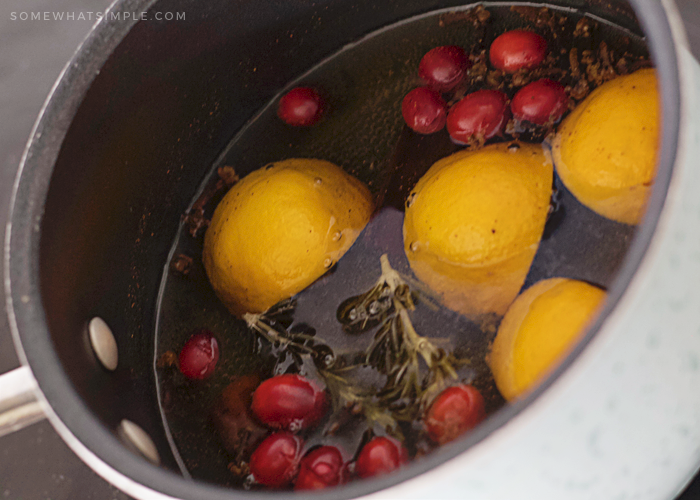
(365,134)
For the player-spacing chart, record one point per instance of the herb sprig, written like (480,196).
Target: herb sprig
(416,370)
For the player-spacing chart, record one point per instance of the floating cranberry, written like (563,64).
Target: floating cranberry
(424,110)
(482,113)
(443,68)
(320,468)
(289,402)
(199,355)
(301,107)
(455,411)
(274,463)
(380,456)
(540,102)
(517,49)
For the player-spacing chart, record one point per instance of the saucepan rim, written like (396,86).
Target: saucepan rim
(97,445)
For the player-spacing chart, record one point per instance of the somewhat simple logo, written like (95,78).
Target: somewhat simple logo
(97,16)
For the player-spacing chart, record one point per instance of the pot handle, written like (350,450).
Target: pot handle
(19,406)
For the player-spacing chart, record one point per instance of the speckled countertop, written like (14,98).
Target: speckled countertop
(34,462)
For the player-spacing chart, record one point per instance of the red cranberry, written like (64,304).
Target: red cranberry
(455,411)
(301,107)
(320,468)
(199,355)
(289,402)
(424,110)
(540,102)
(380,456)
(274,463)
(443,68)
(481,113)
(517,49)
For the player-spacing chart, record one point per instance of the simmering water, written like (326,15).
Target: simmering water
(365,134)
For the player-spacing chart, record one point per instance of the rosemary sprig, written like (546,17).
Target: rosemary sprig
(416,369)
(363,312)
(397,351)
(349,399)
(272,326)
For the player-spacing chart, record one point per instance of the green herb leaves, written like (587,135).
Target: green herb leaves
(413,368)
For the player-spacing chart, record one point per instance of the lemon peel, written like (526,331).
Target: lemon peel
(279,229)
(606,150)
(473,224)
(539,329)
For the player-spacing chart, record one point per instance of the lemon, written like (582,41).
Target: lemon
(538,330)
(279,229)
(473,224)
(605,151)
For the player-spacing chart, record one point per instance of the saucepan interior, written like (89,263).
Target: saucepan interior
(126,149)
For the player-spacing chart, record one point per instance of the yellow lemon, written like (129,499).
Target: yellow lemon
(473,224)
(538,330)
(605,151)
(279,229)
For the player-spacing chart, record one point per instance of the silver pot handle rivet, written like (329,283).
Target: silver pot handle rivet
(103,343)
(135,436)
